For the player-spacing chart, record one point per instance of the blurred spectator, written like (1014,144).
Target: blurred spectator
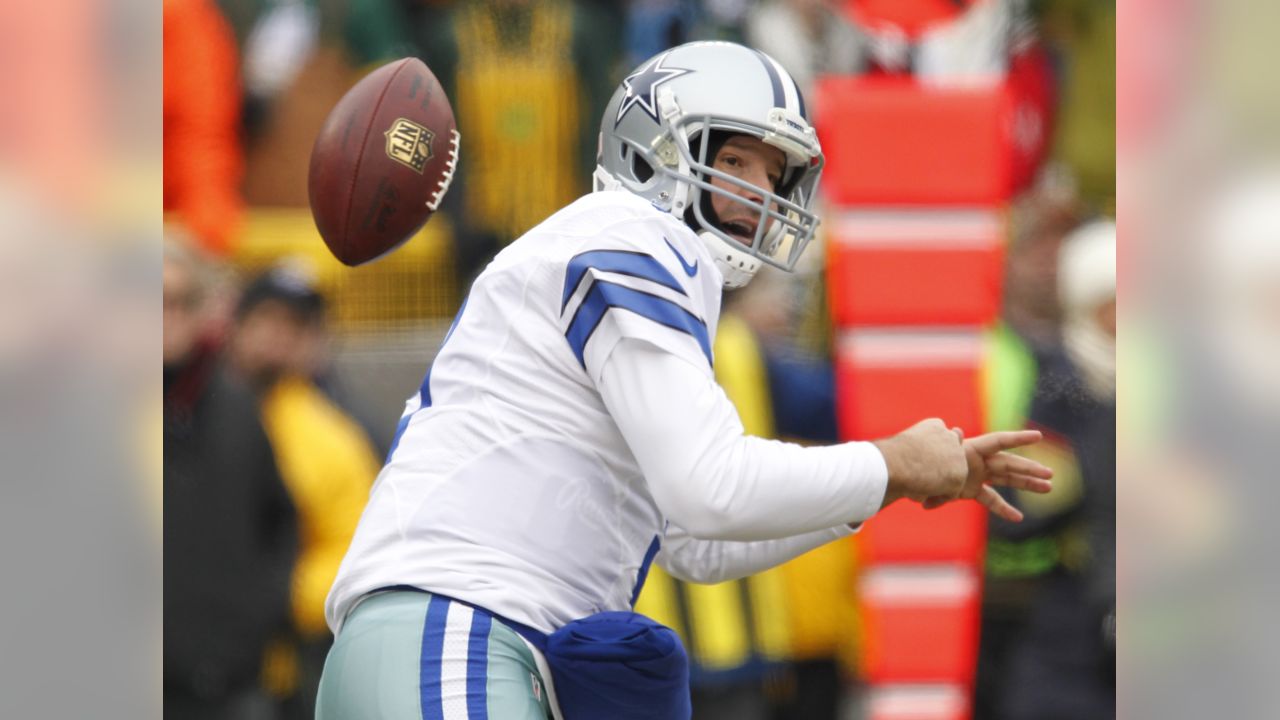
(1058,664)
(299,58)
(1039,220)
(943,41)
(1028,330)
(527,81)
(368,31)
(975,45)
(1087,290)
(1014,567)
(1082,36)
(655,25)
(325,458)
(230,533)
(808,37)
(203,158)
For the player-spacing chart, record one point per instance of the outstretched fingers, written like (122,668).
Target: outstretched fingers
(992,443)
(1018,481)
(1003,462)
(998,505)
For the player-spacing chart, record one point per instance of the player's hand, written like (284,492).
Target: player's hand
(989,465)
(925,460)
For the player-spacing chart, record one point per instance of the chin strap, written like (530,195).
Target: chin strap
(736,266)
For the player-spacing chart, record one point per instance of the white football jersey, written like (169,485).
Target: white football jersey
(509,485)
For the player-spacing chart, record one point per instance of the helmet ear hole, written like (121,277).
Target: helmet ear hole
(640,168)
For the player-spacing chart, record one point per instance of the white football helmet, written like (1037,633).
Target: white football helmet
(656,134)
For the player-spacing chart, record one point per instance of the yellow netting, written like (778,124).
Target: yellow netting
(414,283)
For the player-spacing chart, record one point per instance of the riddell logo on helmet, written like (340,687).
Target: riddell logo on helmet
(409,144)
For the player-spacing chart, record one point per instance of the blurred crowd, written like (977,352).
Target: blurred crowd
(270,452)
(252,80)
(265,476)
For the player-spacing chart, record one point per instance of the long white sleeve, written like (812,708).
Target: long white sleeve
(709,478)
(712,561)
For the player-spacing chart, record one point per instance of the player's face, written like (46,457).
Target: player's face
(752,160)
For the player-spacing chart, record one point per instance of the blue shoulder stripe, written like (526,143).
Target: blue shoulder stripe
(604,295)
(623,262)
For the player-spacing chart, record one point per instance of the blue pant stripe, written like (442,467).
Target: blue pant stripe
(478,667)
(432,648)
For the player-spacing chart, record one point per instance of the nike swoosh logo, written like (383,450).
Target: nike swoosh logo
(689,270)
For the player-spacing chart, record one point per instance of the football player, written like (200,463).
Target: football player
(570,431)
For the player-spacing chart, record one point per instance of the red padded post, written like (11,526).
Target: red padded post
(888,379)
(916,267)
(890,141)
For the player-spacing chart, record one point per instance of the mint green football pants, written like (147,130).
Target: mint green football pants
(406,655)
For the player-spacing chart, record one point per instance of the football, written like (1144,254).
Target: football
(382,162)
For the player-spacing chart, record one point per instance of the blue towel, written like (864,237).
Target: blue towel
(619,666)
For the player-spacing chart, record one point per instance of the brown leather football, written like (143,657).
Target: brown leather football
(383,161)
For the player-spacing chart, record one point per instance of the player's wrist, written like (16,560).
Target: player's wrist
(891,497)
(896,465)
(892,489)
(907,473)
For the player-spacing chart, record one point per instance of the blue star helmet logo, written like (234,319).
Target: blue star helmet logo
(642,87)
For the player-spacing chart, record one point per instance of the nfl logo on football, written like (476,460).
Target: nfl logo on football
(409,144)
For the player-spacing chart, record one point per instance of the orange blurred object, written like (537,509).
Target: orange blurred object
(203,156)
